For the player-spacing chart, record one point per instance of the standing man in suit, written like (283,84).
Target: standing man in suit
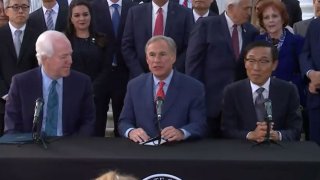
(159,17)
(17,52)
(200,8)
(302,26)
(68,99)
(51,16)
(294,11)
(214,54)
(241,113)
(116,81)
(3,16)
(310,69)
(183,108)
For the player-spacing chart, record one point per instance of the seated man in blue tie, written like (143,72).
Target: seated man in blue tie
(68,99)
(183,110)
(243,116)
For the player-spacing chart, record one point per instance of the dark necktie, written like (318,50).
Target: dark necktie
(52,110)
(160,92)
(259,105)
(115,18)
(50,25)
(17,41)
(158,28)
(235,41)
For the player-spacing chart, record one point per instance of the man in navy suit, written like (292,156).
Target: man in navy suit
(14,59)
(215,59)
(310,69)
(39,18)
(200,9)
(71,92)
(183,108)
(140,27)
(116,81)
(240,119)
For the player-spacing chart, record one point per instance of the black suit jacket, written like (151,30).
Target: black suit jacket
(10,64)
(103,24)
(38,21)
(239,116)
(294,11)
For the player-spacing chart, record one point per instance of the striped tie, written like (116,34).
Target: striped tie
(50,25)
(17,41)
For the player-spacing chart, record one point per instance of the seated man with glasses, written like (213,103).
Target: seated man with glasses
(244,102)
(17,47)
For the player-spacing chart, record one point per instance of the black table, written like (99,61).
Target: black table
(87,158)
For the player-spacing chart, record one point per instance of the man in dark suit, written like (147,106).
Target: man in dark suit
(141,26)
(183,109)
(294,11)
(116,80)
(17,52)
(68,99)
(215,58)
(301,27)
(310,69)
(40,19)
(241,119)
(200,9)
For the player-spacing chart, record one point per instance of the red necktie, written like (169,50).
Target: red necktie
(160,92)
(235,41)
(185,3)
(158,28)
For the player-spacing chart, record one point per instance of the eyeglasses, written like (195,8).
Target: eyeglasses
(261,62)
(16,8)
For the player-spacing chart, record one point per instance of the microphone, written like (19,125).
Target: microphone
(37,110)
(159,102)
(268,107)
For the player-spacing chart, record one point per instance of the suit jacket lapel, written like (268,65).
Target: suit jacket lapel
(170,19)
(10,43)
(124,11)
(226,32)
(172,93)
(61,18)
(149,20)
(247,96)
(149,98)
(106,10)
(26,39)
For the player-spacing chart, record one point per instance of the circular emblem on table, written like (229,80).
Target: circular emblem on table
(161,177)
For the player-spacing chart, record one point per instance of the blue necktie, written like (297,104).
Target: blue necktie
(52,110)
(17,41)
(50,25)
(115,18)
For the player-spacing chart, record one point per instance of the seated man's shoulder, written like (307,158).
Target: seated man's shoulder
(78,76)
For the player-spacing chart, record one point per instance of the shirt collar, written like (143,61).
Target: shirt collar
(47,80)
(55,8)
(166,81)
(13,29)
(155,7)
(110,3)
(197,16)
(266,86)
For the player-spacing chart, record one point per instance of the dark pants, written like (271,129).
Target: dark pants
(114,89)
(214,126)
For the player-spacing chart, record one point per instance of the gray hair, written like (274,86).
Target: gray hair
(170,42)
(228,2)
(7,2)
(44,44)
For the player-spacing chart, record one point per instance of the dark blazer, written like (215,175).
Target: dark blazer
(294,11)
(301,27)
(288,65)
(239,116)
(102,21)
(309,58)
(184,106)
(138,31)
(38,21)
(213,7)
(210,58)
(210,14)
(10,64)
(78,112)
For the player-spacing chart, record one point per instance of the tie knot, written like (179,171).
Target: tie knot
(159,10)
(17,32)
(53,83)
(260,90)
(49,11)
(161,84)
(115,6)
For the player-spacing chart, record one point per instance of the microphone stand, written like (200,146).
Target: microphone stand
(267,140)
(37,136)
